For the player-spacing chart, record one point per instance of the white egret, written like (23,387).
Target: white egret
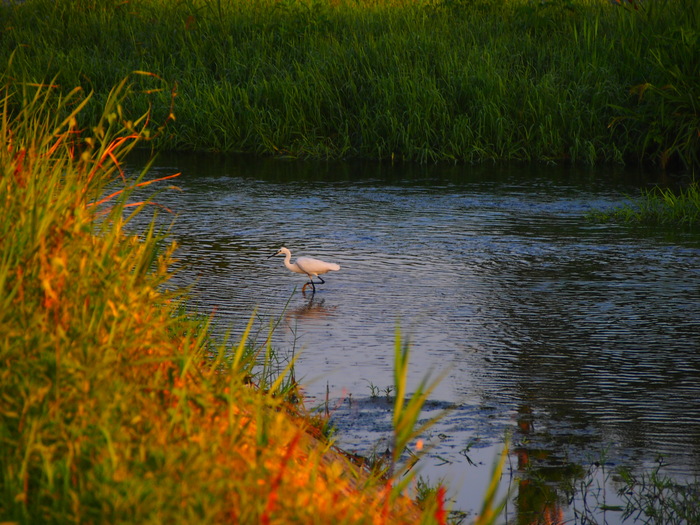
(307,265)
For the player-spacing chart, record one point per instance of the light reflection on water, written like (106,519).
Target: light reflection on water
(581,337)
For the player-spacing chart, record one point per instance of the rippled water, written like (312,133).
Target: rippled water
(582,338)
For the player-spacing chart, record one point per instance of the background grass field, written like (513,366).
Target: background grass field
(584,81)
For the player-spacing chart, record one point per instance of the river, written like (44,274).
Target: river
(579,340)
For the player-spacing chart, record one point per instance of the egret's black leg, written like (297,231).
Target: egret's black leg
(321,279)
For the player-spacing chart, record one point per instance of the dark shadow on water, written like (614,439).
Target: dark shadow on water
(314,308)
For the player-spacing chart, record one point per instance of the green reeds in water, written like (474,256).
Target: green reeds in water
(407,432)
(656,498)
(407,412)
(663,206)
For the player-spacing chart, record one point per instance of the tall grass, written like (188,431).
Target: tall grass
(115,406)
(584,81)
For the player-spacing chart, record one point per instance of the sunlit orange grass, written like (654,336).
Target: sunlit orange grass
(139,185)
(109,152)
(266,466)
(289,476)
(117,145)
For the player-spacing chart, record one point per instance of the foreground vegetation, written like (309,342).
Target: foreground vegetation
(585,81)
(115,406)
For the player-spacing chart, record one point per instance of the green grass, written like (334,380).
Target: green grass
(579,81)
(660,206)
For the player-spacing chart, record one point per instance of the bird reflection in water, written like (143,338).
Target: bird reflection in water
(314,308)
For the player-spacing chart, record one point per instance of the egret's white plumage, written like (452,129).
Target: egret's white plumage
(307,265)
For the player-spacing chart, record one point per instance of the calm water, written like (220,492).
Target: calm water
(580,339)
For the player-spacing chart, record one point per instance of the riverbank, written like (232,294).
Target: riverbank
(116,406)
(579,81)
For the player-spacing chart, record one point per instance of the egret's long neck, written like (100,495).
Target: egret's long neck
(288,262)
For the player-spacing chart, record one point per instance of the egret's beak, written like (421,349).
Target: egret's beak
(270,256)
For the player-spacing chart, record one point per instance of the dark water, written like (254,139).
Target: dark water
(581,340)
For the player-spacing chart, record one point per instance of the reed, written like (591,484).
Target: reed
(116,406)
(406,414)
(438,80)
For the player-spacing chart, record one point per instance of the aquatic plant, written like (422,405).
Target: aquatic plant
(659,206)
(656,498)
(407,411)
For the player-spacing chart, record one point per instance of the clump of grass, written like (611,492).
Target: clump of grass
(115,406)
(407,411)
(665,112)
(660,206)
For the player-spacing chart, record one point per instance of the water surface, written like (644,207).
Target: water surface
(581,339)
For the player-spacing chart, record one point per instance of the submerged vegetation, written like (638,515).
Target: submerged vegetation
(116,406)
(584,81)
(656,498)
